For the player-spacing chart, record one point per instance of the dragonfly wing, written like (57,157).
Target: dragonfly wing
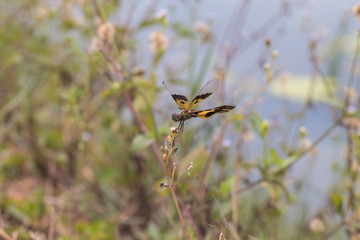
(208,113)
(180,100)
(205,92)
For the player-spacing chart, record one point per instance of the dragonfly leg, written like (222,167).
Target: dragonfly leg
(180,128)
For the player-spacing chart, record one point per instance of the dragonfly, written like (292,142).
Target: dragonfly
(187,108)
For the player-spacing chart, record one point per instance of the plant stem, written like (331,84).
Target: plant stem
(172,190)
(4,235)
(299,156)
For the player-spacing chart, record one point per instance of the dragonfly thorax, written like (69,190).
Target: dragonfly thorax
(183,116)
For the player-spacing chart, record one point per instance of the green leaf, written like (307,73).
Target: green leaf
(98,229)
(198,156)
(337,202)
(140,142)
(255,121)
(183,30)
(17,99)
(146,94)
(148,23)
(285,163)
(274,159)
(264,127)
(19,214)
(225,186)
(154,231)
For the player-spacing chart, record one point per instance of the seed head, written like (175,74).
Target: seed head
(106,32)
(203,29)
(158,41)
(317,225)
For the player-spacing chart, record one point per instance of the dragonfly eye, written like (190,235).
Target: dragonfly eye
(175,117)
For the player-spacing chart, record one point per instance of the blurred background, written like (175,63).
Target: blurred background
(84,115)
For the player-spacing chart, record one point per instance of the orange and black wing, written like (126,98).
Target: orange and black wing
(211,112)
(180,100)
(205,92)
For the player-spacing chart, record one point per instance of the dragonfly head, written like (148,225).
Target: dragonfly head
(175,117)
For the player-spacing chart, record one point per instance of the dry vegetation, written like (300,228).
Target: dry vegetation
(85,139)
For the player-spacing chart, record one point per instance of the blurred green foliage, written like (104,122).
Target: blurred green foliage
(83,119)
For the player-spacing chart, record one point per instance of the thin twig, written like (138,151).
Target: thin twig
(354,62)
(350,146)
(317,68)
(301,154)
(333,230)
(253,100)
(4,235)
(116,70)
(316,142)
(191,221)
(353,218)
(181,176)
(128,102)
(172,190)
(214,150)
(52,223)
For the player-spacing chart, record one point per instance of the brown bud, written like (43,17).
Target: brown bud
(356,10)
(267,42)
